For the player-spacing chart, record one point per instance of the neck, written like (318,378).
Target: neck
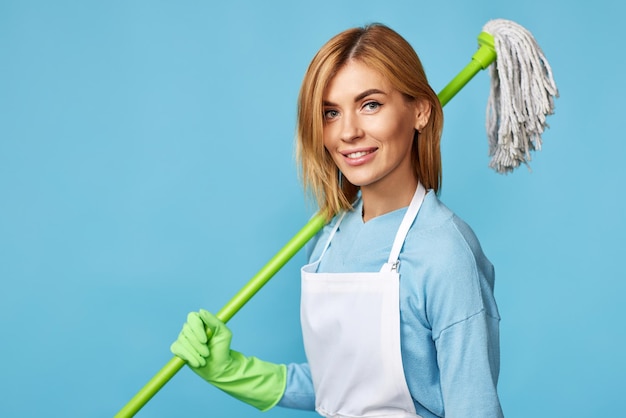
(381,199)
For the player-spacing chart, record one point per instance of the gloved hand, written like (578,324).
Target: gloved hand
(253,381)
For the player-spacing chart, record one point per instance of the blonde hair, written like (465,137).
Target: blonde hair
(385,51)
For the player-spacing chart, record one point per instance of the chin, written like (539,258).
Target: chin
(359,182)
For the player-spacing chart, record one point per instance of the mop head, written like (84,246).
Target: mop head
(522,95)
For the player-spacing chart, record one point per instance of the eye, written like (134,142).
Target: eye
(371,106)
(331,114)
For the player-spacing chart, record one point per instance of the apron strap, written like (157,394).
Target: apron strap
(332,234)
(403,230)
(407,221)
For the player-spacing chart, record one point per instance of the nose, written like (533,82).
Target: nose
(350,128)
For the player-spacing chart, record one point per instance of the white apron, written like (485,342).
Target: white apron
(351,331)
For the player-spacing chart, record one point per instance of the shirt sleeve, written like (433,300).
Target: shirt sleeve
(468,359)
(299,392)
(465,324)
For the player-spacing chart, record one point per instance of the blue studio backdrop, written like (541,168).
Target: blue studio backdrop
(147,169)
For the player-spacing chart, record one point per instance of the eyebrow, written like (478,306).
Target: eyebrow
(359,97)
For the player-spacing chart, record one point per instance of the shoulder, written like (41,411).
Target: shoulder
(449,265)
(443,235)
(315,246)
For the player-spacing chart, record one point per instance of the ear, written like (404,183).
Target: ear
(422,113)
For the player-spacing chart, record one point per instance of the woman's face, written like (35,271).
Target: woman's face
(369,127)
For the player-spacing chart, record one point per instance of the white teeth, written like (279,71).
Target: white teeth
(357,154)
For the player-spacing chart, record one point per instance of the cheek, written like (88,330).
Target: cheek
(398,132)
(327,137)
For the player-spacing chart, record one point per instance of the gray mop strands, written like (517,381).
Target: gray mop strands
(522,95)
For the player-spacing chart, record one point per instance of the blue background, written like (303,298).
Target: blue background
(146,170)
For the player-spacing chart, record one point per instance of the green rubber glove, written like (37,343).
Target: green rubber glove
(253,381)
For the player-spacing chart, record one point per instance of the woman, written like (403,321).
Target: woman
(397,310)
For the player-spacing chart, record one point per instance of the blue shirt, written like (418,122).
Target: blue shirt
(449,319)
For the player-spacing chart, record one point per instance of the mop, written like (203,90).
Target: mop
(522,95)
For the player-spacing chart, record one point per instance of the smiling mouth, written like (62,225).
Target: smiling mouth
(358,154)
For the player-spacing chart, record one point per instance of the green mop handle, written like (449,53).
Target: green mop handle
(483,57)
(246,293)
